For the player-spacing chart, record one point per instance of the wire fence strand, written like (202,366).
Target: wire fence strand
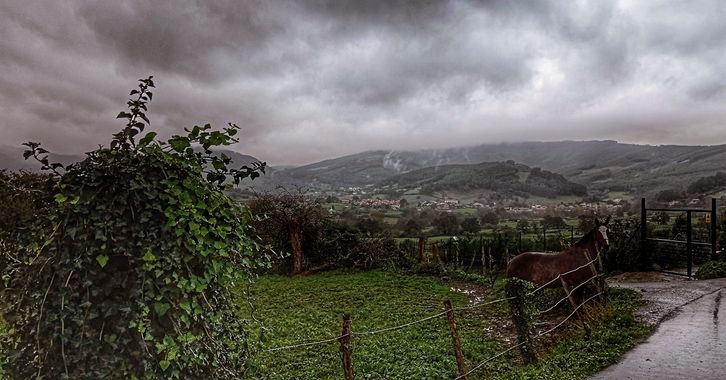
(489,359)
(568,294)
(462,308)
(306,344)
(563,274)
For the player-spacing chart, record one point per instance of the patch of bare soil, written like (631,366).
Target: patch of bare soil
(499,323)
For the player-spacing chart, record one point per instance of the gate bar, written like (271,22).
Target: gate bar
(713,229)
(689,242)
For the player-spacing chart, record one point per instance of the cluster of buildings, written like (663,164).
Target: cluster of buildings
(442,205)
(377,203)
(605,207)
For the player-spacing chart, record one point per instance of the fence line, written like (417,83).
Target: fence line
(398,327)
(568,294)
(535,337)
(565,273)
(330,340)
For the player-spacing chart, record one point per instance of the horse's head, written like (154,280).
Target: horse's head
(601,231)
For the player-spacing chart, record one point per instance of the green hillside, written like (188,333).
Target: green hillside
(508,178)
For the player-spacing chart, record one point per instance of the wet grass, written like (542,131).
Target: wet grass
(310,308)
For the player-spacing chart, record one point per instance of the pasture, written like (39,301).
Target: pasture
(291,310)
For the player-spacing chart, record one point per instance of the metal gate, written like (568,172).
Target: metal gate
(682,242)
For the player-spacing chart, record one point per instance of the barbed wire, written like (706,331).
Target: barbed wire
(568,294)
(563,274)
(398,327)
(329,340)
(481,364)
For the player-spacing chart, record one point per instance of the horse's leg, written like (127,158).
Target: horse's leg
(570,294)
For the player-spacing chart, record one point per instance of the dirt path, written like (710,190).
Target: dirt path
(691,338)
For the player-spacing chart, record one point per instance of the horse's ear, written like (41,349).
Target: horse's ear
(598,223)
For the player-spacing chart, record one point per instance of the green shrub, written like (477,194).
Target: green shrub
(711,269)
(130,270)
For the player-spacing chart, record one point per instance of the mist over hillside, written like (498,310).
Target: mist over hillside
(600,165)
(507,178)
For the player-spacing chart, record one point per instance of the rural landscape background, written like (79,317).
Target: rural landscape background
(314,190)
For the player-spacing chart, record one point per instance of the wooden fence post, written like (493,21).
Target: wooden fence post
(435,252)
(346,349)
(421,249)
(460,364)
(598,281)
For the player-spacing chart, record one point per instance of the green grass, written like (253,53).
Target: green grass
(614,332)
(310,308)
(465,211)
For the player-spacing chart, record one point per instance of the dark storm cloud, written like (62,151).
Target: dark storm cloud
(313,79)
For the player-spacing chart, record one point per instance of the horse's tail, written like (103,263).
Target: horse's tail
(517,297)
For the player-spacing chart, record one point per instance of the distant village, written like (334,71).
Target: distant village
(612,206)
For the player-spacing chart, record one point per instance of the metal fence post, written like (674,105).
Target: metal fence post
(689,242)
(643,227)
(714,231)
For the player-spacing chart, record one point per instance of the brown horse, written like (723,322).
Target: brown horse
(568,269)
(544,268)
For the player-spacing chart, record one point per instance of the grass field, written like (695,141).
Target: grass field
(302,309)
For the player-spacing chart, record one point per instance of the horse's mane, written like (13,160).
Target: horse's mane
(586,238)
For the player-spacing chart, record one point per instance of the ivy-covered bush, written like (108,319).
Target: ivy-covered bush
(133,266)
(624,253)
(711,269)
(23,199)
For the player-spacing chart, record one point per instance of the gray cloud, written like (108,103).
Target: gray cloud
(315,79)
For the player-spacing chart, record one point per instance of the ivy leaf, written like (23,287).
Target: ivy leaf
(148,256)
(179,143)
(147,139)
(161,308)
(102,260)
(164,364)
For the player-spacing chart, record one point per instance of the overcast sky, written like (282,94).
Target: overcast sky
(309,80)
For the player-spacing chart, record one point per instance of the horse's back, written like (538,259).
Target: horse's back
(522,263)
(537,267)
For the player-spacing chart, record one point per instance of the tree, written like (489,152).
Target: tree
(523,226)
(585,224)
(412,227)
(288,222)
(447,223)
(550,221)
(662,218)
(369,226)
(669,195)
(489,218)
(470,225)
(140,248)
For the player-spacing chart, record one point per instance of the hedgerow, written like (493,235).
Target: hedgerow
(129,273)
